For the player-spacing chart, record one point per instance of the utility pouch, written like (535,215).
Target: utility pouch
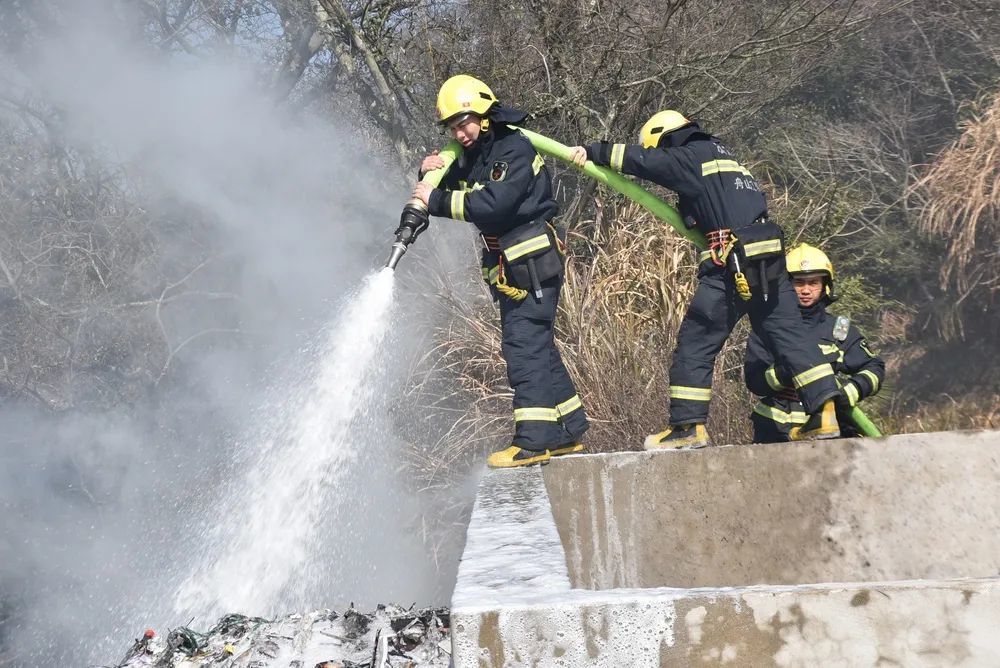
(531,255)
(761,252)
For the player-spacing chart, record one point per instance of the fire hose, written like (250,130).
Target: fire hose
(415,224)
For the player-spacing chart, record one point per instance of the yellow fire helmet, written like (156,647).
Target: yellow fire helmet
(806,259)
(661,123)
(463,94)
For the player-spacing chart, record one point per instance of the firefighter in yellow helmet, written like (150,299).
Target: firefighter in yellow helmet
(742,273)
(779,413)
(501,185)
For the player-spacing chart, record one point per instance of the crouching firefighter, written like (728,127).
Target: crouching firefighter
(742,273)
(501,185)
(779,413)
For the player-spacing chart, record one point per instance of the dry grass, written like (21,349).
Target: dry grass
(960,192)
(627,286)
(948,413)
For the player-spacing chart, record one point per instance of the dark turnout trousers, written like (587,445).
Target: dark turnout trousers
(710,318)
(547,410)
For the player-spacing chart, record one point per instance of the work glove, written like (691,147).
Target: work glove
(848,397)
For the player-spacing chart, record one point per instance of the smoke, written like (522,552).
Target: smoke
(102,512)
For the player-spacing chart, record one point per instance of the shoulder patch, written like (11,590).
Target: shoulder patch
(864,347)
(841,328)
(499,171)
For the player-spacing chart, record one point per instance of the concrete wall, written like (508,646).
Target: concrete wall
(906,507)
(946,625)
(650,559)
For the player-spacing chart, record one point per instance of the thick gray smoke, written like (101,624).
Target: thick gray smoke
(102,514)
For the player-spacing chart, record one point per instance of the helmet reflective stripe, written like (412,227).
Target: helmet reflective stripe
(660,124)
(463,94)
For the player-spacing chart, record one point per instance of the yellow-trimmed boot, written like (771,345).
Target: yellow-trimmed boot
(821,425)
(678,436)
(515,456)
(567,449)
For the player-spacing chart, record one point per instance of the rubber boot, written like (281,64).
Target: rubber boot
(515,456)
(567,449)
(820,426)
(678,436)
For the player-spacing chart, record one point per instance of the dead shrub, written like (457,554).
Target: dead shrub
(960,193)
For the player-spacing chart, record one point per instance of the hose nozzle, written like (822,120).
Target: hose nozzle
(398,249)
(412,222)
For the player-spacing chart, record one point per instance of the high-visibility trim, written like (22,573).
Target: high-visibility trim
(617,157)
(852,392)
(570,405)
(832,349)
(537,164)
(812,375)
(491,274)
(771,376)
(691,393)
(872,378)
(530,246)
(704,255)
(458,205)
(761,247)
(537,414)
(780,416)
(716,166)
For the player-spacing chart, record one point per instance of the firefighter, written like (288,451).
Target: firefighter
(779,412)
(501,185)
(742,273)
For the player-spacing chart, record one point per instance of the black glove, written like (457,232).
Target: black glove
(847,398)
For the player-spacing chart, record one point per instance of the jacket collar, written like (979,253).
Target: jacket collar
(500,117)
(690,132)
(814,313)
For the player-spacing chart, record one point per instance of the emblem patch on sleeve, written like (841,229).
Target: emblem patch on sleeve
(499,171)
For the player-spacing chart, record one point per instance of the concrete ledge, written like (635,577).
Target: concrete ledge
(614,577)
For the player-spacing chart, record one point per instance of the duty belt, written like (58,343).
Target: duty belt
(719,242)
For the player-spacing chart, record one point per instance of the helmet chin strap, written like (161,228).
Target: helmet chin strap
(484,124)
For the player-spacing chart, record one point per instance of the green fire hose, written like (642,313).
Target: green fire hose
(449,154)
(864,425)
(414,219)
(661,210)
(634,192)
